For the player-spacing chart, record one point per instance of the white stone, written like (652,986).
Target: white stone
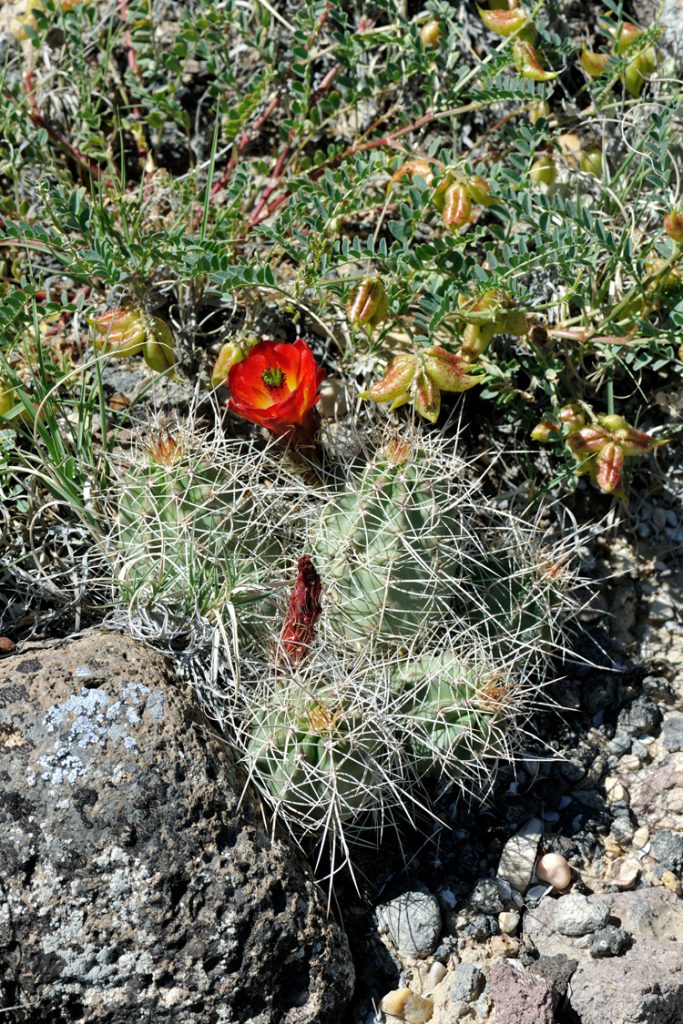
(554,869)
(517,860)
(508,922)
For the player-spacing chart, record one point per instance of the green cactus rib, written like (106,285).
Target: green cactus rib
(313,754)
(187,534)
(383,549)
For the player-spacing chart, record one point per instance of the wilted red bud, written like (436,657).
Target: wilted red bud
(430,33)
(230,354)
(587,440)
(368,303)
(457,208)
(119,332)
(545,431)
(427,398)
(528,64)
(164,450)
(506,23)
(479,190)
(303,611)
(673,225)
(448,371)
(395,386)
(593,63)
(609,465)
(158,347)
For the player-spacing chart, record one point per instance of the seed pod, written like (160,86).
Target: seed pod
(427,397)
(673,225)
(448,371)
(593,64)
(515,322)
(476,339)
(230,354)
(368,304)
(528,64)
(545,431)
(395,386)
(507,23)
(457,209)
(9,401)
(609,465)
(543,170)
(587,440)
(572,417)
(628,34)
(634,79)
(430,33)
(539,110)
(120,332)
(478,190)
(415,168)
(158,348)
(592,162)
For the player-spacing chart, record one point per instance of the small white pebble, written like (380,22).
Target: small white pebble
(553,869)
(508,922)
(437,972)
(641,837)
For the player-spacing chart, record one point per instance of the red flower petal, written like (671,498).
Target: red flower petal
(282,406)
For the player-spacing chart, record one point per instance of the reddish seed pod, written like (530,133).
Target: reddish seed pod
(457,209)
(368,304)
(673,225)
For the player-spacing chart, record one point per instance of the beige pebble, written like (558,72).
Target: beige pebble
(671,881)
(437,972)
(508,922)
(615,792)
(624,872)
(553,869)
(394,1002)
(641,837)
(629,763)
(417,1009)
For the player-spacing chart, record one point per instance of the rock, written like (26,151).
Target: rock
(437,972)
(644,986)
(577,915)
(623,872)
(508,922)
(672,732)
(608,941)
(620,744)
(6,645)
(520,997)
(518,858)
(667,848)
(656,794)
(622,831)
(557,971)
(554,870)
(487,896)
(413,922)
(137,884)
(468,983)
(408,1006)
(641,716)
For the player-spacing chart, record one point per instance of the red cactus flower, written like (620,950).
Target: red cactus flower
(276,386)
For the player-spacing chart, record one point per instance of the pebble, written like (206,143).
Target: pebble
(640,750)
(623,872)
(620,744)
(408,1006)
(576,915)
(517,860)
(622,830)
(437,972)
(667,848)
(508,922)
(629,763)
(672,732)
(413,921)
(468,983)
(642,715)
(554,869)
(641,837)
(615,791)
(6,645)
(608,941)
(487,896)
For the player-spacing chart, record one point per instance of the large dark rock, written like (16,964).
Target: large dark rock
(134,886)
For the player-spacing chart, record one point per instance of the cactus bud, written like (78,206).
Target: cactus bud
(543,170)
(230,354)
(593,63)
(528,64)
(368,304)
(395,386)
(673,225)
(448,371)
(430,33)
(119,332)
(164,450)
(158,347)
(457,209)
(507,23)
(478,190)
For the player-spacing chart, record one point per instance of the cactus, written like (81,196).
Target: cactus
(189,534)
